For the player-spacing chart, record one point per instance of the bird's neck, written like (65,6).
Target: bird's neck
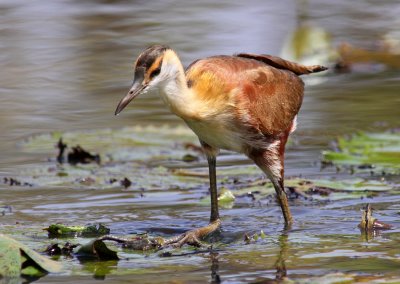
(175,92)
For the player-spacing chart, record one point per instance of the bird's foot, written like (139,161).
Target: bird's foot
(194,237)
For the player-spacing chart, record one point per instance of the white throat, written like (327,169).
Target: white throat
(172,85)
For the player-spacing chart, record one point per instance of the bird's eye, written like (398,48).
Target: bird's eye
(155,72)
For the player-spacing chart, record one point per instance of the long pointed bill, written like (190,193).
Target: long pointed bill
(135,90)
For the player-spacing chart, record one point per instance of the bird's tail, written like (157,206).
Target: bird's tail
(280,63)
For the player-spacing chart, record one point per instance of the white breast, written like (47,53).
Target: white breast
(218,133)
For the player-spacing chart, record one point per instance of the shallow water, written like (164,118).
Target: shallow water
(66,64)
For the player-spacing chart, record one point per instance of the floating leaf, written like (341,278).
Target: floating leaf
(226,196)
(123,152)
(355,184)
(17,259)
(380,150)
(60,230)
(125,144)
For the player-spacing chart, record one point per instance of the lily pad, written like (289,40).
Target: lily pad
(355,184)
(138,151)
(60,230)
(125,144)
(252,190)
(17,259)
(379,150)
(226,199)
(331,189)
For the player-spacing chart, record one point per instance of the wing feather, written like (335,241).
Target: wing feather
(280,63)
(258,96)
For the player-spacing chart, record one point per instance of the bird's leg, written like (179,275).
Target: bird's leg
(271,162)
(283,201)
(194,237)
(213,187)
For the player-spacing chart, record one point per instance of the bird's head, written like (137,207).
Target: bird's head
(154,67)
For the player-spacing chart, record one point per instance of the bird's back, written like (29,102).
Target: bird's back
(263,98)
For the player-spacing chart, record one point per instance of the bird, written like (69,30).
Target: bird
(246,103)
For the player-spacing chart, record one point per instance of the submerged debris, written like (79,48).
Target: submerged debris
(76,155)
(369,223)
(87,181)
(6,209)
(188,158)
(15,182)
(126,182)
(96,249)
(66,250)
(61,147)
(80,155)
(254,237)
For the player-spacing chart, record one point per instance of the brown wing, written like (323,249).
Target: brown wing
(270,99)
(261,97)
(280,63)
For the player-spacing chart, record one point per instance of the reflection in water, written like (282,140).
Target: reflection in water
(99,269)
(280,264)
(215,278)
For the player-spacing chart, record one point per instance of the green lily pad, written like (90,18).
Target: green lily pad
(138,151)
(60,230)
(125,144)
(379,150)
(320,189)
(226,198)
(355,184)
(17,259)
(331,189)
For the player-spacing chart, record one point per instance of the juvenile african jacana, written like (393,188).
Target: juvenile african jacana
(245,103)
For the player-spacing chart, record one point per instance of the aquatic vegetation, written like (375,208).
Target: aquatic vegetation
(367,151)
(16,259)
(60,230)
(158,170)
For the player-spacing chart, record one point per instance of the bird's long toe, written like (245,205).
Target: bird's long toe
(196,236)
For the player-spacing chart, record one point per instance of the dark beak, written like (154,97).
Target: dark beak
(135,90)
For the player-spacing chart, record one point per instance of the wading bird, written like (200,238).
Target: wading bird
(245,103)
